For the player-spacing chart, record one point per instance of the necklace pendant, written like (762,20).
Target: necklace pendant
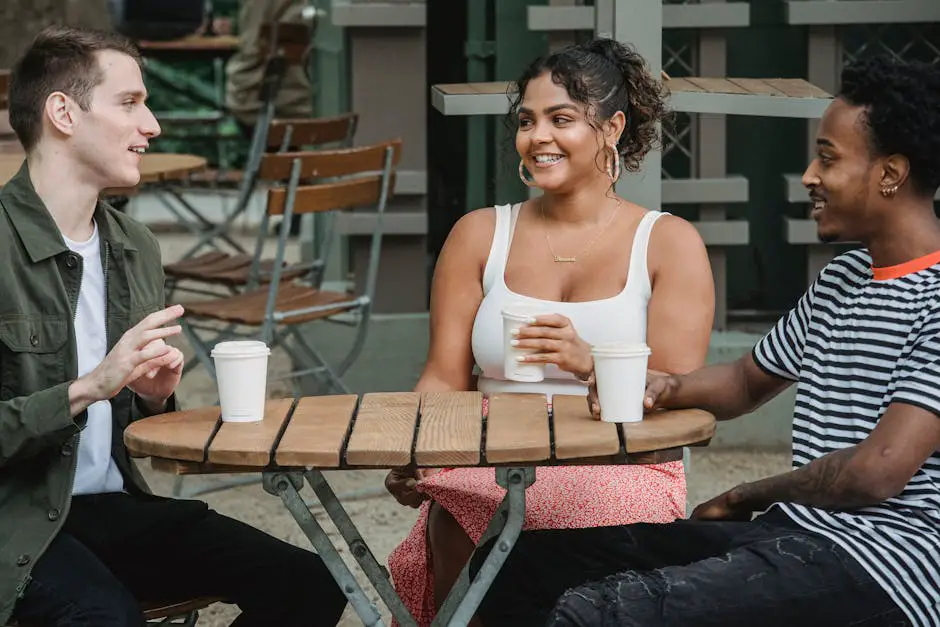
(564,259)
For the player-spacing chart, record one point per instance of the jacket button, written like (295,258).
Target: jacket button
(34,339)
(66,449)
(22,560)
(53,514)
(70,261)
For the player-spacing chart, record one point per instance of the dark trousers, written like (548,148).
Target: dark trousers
(116,550)
(765,573)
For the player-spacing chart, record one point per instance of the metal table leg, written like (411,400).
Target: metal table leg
(465,597)
(287,485)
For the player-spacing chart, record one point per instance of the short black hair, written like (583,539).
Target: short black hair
(607,76)
(60,58)
(902,112)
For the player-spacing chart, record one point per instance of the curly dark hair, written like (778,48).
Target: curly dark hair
(606,76)
(902,112)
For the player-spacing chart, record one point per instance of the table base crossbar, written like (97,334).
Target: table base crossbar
(465,597)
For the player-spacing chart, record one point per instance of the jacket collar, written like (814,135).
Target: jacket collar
(34,224)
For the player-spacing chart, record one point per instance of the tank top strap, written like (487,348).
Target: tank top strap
(639,270)
(499,250)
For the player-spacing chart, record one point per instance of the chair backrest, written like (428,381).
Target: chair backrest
(315,165)
(295,134)
(359,177)
(290,41)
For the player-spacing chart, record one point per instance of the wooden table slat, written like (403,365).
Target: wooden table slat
(316,432)
(797,88)
(250,443)
(668,430)
(717,85)
(179,435)
(757,86)
(384,430)
(681,84)
(578,434)
(517,428)
(450,429)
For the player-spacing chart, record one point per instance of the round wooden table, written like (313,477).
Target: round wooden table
(298,438)
(386,430)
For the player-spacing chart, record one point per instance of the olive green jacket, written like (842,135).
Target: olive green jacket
(39,286)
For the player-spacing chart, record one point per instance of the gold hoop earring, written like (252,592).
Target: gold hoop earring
(522,175)
(613,165)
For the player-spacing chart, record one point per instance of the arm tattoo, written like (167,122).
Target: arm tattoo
(830,482)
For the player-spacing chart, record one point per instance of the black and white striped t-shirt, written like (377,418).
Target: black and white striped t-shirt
(857,341)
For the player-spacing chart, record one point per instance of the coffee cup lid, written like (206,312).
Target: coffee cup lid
(625,349)
(240,347)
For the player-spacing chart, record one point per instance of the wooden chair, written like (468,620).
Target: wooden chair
(233,272)
(359,177)
(286,44)
(183,614)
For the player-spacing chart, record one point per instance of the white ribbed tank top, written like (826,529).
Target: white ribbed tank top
(620,318)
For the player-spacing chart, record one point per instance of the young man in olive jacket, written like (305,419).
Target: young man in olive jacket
(82,354)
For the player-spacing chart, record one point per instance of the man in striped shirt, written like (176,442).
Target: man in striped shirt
(850,536)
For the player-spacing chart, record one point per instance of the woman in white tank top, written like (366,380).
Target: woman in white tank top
(597,268)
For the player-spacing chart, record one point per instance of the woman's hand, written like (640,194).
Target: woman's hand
(402,483)
(556,342)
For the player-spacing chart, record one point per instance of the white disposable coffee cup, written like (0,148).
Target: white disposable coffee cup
(241,369)
(515,316)
(620,372)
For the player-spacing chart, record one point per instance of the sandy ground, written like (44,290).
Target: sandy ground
(382,522)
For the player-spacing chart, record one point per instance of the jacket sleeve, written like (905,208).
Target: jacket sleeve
(31,425)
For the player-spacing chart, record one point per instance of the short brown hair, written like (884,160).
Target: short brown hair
(60,58)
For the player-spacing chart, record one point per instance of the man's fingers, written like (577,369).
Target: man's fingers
(160,318)
(158,334)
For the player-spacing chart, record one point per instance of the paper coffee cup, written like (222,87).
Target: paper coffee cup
(241,369)
(515,316)
(620,372)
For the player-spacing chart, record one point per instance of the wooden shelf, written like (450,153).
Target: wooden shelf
(830,13)
(715,15)
(378,14)
(770,97)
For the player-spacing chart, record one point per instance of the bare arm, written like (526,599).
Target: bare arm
(725,390)
(872,471)
(681,308)
(456,293)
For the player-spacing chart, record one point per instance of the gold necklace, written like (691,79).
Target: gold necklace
(587,248)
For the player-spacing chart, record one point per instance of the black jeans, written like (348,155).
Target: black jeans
(116,550)
(766,573)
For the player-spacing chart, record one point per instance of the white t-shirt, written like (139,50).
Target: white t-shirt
(96,472)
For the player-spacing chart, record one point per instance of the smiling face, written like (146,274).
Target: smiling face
(844,178)
(555,140)
(109,138)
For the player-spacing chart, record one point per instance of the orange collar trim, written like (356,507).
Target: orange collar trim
(908,267)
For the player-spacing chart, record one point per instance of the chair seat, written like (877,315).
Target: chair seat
(248,308)
(155,611)
(224,269)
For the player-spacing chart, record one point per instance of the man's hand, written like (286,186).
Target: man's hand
(155,387)
(659,387)
(139,351)
(723,507)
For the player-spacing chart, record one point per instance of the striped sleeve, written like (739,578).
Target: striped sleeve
(780,352)
(917,375)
